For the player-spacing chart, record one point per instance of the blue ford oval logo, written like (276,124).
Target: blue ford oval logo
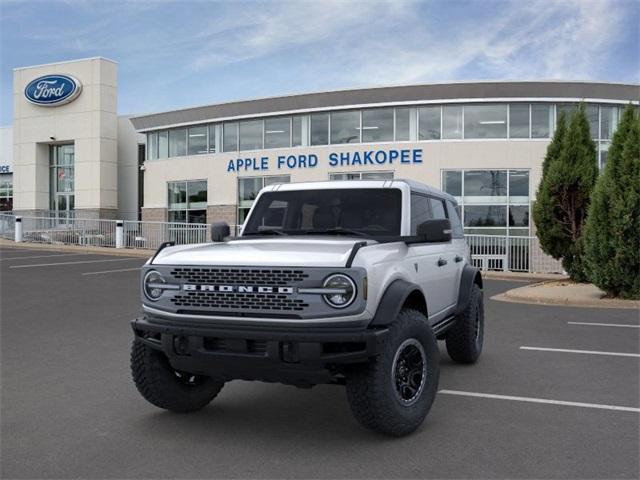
(52,90)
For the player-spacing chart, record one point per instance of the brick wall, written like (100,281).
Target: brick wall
(154,214)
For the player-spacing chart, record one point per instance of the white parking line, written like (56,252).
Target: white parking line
(541,400)
(605,324)
(588,352)
(112,271)
(76,263)
(42,256)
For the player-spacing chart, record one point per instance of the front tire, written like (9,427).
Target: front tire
(393,393)
(464,340)
(163,386)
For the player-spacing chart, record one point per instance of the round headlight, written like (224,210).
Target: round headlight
(342,290)
(150,285)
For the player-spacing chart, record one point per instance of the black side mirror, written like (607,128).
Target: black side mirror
(219,231)
(436,230)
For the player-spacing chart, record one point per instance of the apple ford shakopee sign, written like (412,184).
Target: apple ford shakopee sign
(53,90)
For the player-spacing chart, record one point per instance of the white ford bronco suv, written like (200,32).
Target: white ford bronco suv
(343,282)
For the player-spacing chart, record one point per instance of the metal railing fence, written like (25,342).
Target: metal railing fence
(69,231)
(151,235)
(489,252)
(7,226)
(515,254)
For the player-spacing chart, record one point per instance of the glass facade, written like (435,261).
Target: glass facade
(377,125)
(6,192)
(403,124)
(197,140)
(62,179)
(248,189)
(384,124)
(187,201)
(429,123)
(492,202)
(485,121)
(277,132)
(361,176)
(345,127)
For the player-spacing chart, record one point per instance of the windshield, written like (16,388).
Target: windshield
(373,212)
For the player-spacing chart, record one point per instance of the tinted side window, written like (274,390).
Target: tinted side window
(456,224)
(438,208)
(420,211)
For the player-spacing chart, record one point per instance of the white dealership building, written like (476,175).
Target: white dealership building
(69,150)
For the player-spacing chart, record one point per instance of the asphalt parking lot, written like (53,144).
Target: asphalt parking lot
(564,406)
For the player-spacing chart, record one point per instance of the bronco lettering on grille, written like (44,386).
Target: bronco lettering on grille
(237,289)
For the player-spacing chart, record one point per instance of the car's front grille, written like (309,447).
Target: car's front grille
(235,276)
(239,301)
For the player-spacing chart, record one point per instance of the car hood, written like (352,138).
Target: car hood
(291,251)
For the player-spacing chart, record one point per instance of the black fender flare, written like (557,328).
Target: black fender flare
(392,301)
(470,276)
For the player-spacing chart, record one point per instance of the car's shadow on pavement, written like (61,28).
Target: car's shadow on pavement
(278,412)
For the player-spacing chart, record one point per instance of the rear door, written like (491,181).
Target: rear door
(446,263)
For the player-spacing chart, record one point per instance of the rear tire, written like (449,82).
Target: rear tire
(465,338)
(163,386)
(394,392)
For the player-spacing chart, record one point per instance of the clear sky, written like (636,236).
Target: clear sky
(174,54)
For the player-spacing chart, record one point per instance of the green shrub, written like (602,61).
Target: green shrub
(569,174)
(612,233)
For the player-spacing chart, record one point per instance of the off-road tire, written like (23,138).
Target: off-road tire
(464,339)
(162,386)
(371,389)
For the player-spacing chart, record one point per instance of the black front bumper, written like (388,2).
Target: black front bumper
(303,358)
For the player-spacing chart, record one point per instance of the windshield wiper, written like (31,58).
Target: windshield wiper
(266,231)
(337,231)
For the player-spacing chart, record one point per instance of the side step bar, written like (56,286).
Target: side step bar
(443,325)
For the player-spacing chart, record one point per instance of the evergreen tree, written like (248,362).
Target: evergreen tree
(612,233)
(563,197)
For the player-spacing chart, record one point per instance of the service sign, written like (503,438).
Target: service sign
(53,90)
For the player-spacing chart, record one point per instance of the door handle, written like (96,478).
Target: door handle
(458,258)
(442,262)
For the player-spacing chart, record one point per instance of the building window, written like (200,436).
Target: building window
(592,113)
(212,138)
(403,124)
(188,201)
(485,121)
(230,137)
(541,120)
(197,140)
(452,182)
(345,127)
(62,175)
(377,125)
(296,131)
(163,144)
(178,142)
(429,123)
(152,146)
(492,202)
(608,122)
(361,176)
(251,135)
(248,189)
(519,120)
(320,129)
(277,132)
(6,192)
(452,121)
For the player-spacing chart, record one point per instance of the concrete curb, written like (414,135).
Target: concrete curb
(125,252)
(523,276)
(570,295)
